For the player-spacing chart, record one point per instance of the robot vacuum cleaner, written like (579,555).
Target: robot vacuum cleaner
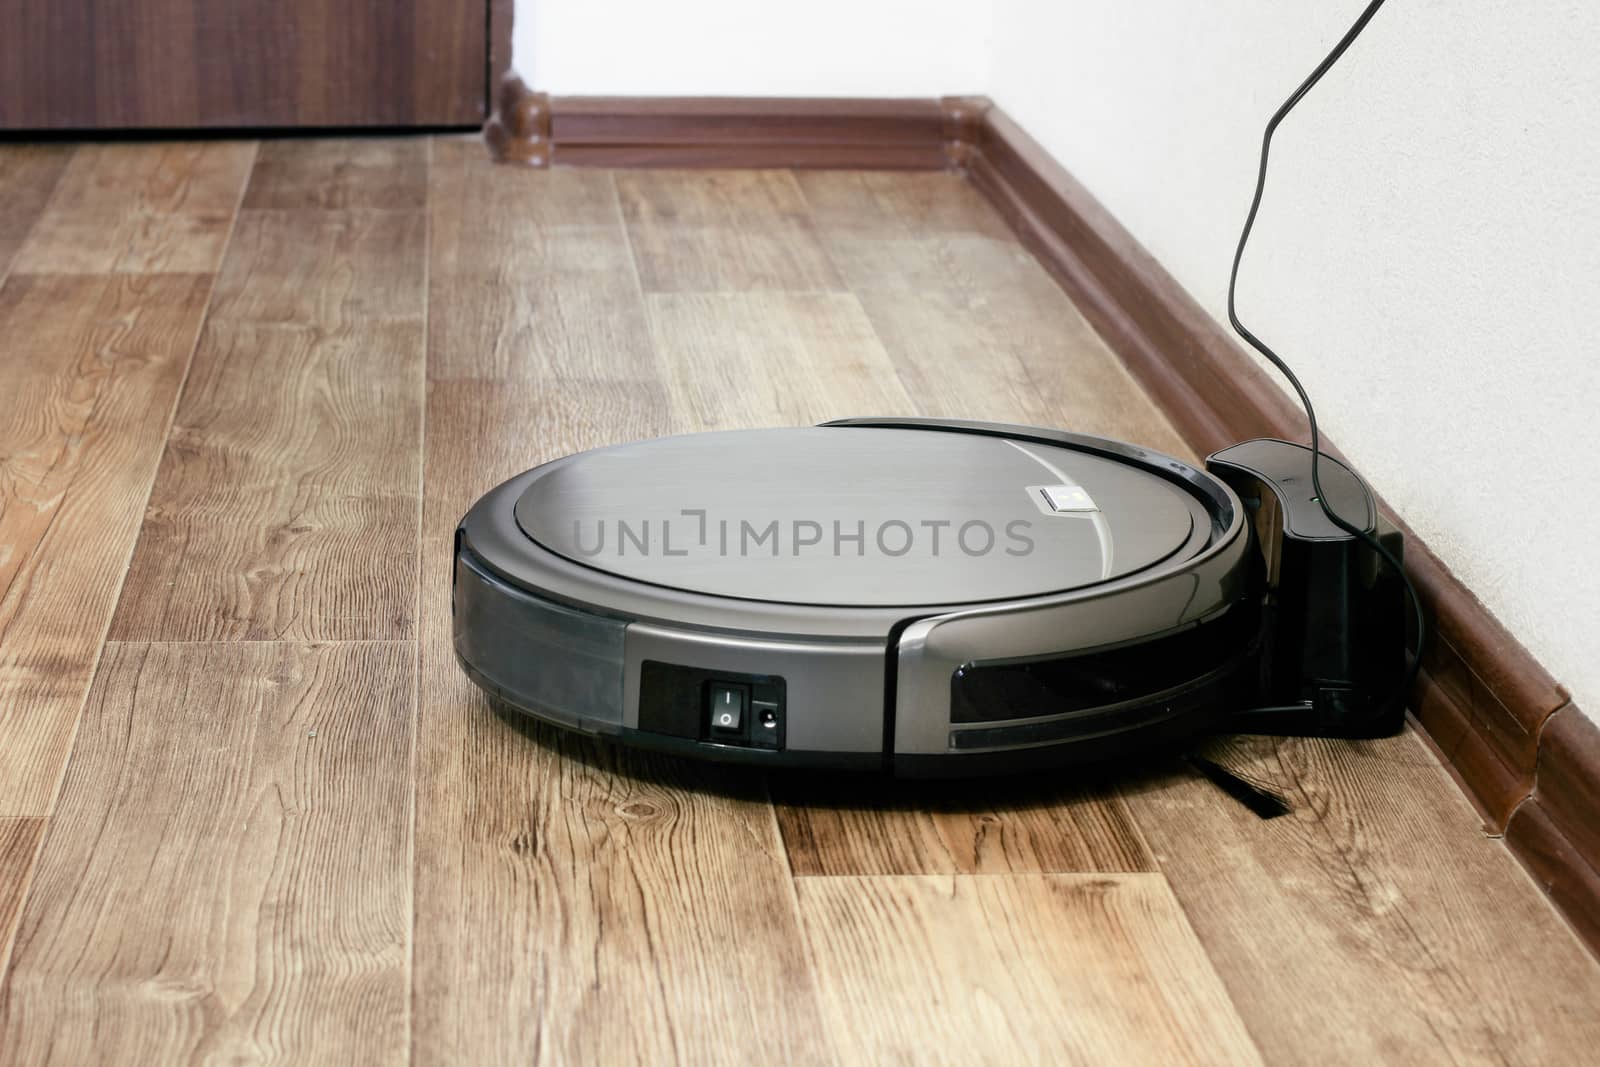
(927,597)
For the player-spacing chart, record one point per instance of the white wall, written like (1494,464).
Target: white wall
(1427,256)
(751,47)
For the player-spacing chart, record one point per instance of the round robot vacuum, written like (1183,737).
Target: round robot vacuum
(919,596)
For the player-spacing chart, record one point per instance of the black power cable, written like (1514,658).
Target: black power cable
(1272,357)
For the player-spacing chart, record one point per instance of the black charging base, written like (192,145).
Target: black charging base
(1333,612)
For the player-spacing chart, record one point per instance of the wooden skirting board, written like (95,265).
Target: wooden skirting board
(915,134)
(1526,757)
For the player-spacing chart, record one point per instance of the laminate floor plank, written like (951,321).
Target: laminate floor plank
(974,325)
(1031,825)
(735,360)
(19,843)
(723,231)
(340,173)
(1375,923)
(323,269)
(286,504)
(531,277)
(140,207)
(92,365)
(1007,969)
(227,876)
(28,175)
(904,205)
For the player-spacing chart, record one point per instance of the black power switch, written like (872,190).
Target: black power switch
(712,706)
(729,708)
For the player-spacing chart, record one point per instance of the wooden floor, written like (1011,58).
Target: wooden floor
(250,809)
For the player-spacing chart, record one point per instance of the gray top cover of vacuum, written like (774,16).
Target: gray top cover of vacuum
(842,517)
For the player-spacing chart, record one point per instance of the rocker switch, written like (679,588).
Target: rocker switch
(728,706)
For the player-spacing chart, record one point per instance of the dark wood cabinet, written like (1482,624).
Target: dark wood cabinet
(185,64)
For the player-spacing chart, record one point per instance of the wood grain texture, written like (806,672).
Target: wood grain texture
(92,366)
(370,174)
(184,64)
(734,155)
(323,269)
(974,326)
(286,504)
(1016,969)
(872,827)
(872,206)
(557,879)
(1555,833)
(19,844)
(722,231)
(28,176)
(734,360)
(744,121)
(140,207)
(226,878)
(724,132)
(1373,923)
(531,276)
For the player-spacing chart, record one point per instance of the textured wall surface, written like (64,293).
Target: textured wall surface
(1427,256)
(752,48)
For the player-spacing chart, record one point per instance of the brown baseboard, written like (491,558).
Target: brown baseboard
(1484,702)
(744,132)
(1555,832)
